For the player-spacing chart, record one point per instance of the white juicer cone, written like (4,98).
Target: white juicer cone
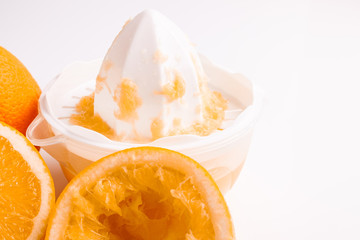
(150,80)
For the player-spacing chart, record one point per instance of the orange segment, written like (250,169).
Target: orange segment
(26,188)
(141,193)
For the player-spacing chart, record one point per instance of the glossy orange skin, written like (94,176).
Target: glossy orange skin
(19,92)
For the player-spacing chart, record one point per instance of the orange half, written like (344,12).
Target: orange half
(141,193)
(26,188)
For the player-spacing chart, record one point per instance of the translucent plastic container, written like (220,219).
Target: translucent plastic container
(222,153)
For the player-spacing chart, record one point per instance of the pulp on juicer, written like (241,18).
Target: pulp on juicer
(151,84)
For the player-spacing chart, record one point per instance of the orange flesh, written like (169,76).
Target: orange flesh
(213,110)
(140,202)
(159,57)
(177,122)
(175,89)
(156,128)
(100,81)
(85,117)
(127,99)
(19,204)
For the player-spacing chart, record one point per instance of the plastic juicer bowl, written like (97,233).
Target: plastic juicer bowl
(222,153)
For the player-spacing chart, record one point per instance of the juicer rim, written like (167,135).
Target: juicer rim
(248,119)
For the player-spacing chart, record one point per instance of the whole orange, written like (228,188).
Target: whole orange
(19,92)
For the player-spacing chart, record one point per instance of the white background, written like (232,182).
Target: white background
(301,179)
